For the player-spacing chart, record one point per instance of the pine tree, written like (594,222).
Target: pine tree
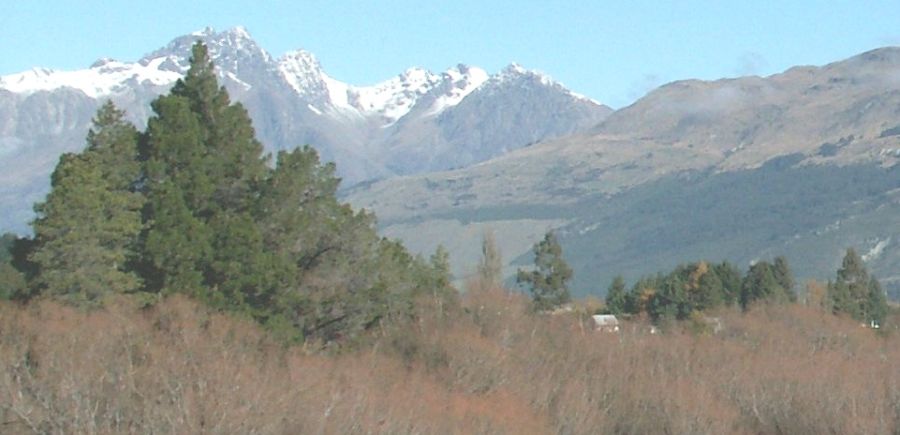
(548,281)
(730,276)
(855,293)
(12,281)
(784,277)
(86,230)
(876,303)
(203,174)
(710,291)
(616,298)
(759,285)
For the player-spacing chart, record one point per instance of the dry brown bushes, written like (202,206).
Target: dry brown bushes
(494,367)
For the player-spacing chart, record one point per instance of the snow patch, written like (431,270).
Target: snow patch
(394,98)
(462,80)
(302,72)
(876,250)
(235,79)
(104,79)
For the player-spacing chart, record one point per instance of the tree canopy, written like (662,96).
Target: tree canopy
(548,281)
(191,206)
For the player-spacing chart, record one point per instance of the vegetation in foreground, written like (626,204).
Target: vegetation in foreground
(493,366)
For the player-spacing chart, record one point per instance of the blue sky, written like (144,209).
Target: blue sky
(611,51)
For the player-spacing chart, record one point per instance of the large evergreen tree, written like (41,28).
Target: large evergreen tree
(86,230)
(856,293)
(193,207)
(203,170)
(548,280)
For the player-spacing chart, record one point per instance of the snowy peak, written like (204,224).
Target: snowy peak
(394,98)
(231,50)
(515,73)
(240,61)
(517,76)
(456,84)
(302,71)
(106,77)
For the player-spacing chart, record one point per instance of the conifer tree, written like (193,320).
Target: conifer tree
(203,173)
(616,299)
(783,275)
(856,293)
(730,276)
(763,284)
(86,230)
(548,281)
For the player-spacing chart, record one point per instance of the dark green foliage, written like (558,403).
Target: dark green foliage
(6,244)
(855,293)
(12,281)
(697,287)
(766,282)
(193,208)
(616,298)
(876,303)
(730,276)
(671,300)
(87,228)
(440,265)
(203,171)
(784,277)
(710,292)
(549,280)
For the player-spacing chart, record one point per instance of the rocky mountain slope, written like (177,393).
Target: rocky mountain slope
(416,122)
(801,163)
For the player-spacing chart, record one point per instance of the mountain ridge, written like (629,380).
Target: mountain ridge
(368,130)
(599,188)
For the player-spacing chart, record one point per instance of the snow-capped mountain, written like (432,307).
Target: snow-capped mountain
(367,130)
(803,163)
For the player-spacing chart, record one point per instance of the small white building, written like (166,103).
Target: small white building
(605,323)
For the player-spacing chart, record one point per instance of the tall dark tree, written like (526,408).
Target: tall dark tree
(671,300)
(783,275)
(616,297)
(762,284)
(710,291)
(548,281)
(856,293)
(86,230)
(730,276)
(12,281)
(203,172)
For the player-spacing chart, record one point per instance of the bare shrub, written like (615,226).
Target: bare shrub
(489,366)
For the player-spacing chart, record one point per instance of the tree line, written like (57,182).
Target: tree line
(192,205)
(701,286)
(696,287)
